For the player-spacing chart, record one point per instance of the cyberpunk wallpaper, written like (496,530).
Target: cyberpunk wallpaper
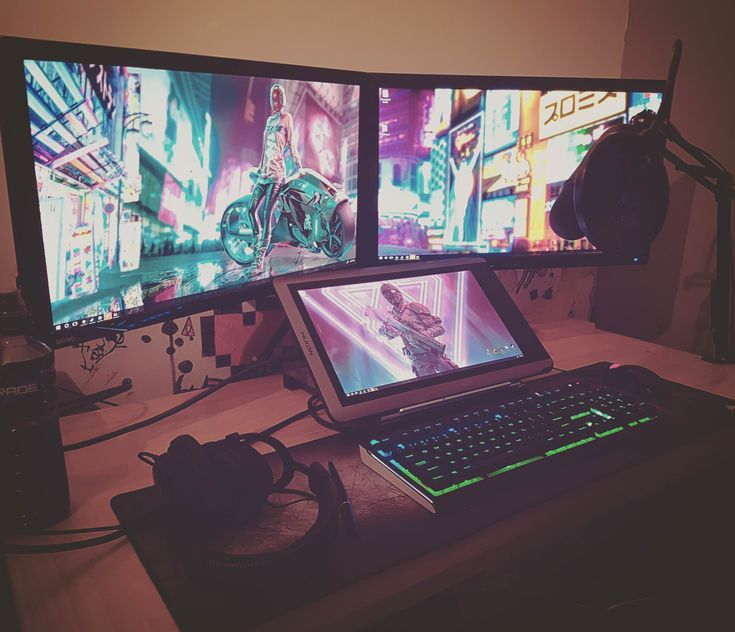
(155,185)
(380,333)
(477,171)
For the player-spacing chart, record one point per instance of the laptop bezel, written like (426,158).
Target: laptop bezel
(393,401)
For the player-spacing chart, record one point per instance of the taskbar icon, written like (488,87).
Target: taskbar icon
(82,322)
(411,257)
(363,391)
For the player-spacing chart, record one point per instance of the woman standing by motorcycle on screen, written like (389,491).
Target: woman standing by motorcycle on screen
(278,137)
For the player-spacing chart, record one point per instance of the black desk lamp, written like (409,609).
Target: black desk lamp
(619,194)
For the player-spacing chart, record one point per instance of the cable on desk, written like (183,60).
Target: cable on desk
(67,408)
(59,547)
(166,413)
(65,531)
(316,406)
(286,422)
(294,492)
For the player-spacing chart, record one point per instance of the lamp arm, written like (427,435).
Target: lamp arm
(709,172)
(713,176)
(696,172)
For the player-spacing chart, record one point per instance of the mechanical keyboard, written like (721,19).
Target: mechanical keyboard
(461,449)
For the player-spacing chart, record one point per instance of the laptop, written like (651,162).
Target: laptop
(441,371)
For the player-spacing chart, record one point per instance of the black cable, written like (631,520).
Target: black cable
(531,275)
(269,349)
(295,492)
(88,400)
(525,280)
(314,411)
(521,281)
(9,548)
(332,424)
(66,531)
(166,413)
(286,422)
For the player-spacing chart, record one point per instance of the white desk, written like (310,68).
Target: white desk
(106,587)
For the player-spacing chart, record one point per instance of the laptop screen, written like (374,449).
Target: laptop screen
(379,334)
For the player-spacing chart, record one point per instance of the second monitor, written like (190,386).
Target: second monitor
(472,165)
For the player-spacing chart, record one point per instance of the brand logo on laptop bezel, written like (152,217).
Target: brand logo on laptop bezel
(307,344)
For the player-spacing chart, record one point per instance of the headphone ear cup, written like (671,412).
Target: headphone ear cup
(622,192)
(218,481)
(182,474)
(562,218)
(245,477)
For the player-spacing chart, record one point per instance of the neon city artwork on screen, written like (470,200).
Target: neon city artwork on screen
(477,171)
(155,185)
(381,333)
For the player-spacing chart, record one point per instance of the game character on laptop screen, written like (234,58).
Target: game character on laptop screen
(383,340)
(477,171)
(383,333)
(156,185)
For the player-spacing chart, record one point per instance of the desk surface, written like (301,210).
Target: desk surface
(106,587)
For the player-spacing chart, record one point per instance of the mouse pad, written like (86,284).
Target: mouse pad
(393,529)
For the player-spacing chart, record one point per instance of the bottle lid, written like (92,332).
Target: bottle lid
(13,312)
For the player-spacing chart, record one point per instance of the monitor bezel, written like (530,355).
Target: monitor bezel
(389,400)
(510,260)
(24,203)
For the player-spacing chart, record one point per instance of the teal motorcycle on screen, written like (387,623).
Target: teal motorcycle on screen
(310,213)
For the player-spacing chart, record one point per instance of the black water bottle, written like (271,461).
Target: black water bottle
(34,491)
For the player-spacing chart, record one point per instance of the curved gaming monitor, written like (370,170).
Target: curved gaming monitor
(142,183)
(472,165)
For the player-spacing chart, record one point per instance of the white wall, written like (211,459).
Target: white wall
(565,37)
(668,300)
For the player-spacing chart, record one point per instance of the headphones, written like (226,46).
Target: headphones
(207,487)
(619,194)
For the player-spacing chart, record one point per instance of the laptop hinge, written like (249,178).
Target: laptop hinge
(443,400)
